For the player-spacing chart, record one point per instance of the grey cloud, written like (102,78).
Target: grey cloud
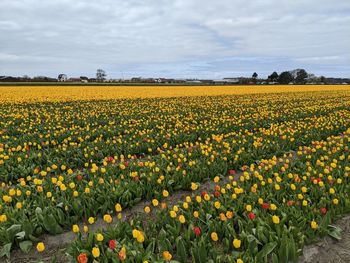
(174,37)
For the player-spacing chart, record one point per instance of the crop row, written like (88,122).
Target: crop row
(50,203)
(74,135)
(266,215)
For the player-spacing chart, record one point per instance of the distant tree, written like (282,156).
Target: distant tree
(254,76)
(273,77)
(323,79)
(285,77)
(101,75)
(26,78)
(301,77)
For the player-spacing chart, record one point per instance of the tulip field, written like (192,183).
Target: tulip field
(278,160)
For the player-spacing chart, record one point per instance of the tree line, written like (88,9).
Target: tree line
(297,76)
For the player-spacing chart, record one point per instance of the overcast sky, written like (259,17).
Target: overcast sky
(174,38)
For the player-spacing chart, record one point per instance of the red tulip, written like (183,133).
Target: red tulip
(204,193)
(136,179)
(251,216)
(265,206)
(216,194)
(232,172)
(112,244)
(323,210)
(197,231)
(290,202)
(79,177)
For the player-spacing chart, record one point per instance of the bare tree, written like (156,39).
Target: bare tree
(101,75)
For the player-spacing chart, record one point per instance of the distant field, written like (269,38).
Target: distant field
(69,93)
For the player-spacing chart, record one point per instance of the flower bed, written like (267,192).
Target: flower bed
(267,215)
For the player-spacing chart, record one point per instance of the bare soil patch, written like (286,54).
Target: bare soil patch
(329,250)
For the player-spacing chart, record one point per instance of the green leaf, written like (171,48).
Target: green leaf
(151,247)
(252,238)
(334,232)
(51,225)
(38,210)
(261,236)
(60,205)
(27,227)
(208,216)
(13,230)
(170,182)
(164,245)
(25,246)
(20,235)
(283,251)
(202,253)
(195,254)
(274,258)
(181,249)
(33,238)
(5,251)
(266,250)
(293,255)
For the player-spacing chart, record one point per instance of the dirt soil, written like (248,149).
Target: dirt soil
(329,250)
